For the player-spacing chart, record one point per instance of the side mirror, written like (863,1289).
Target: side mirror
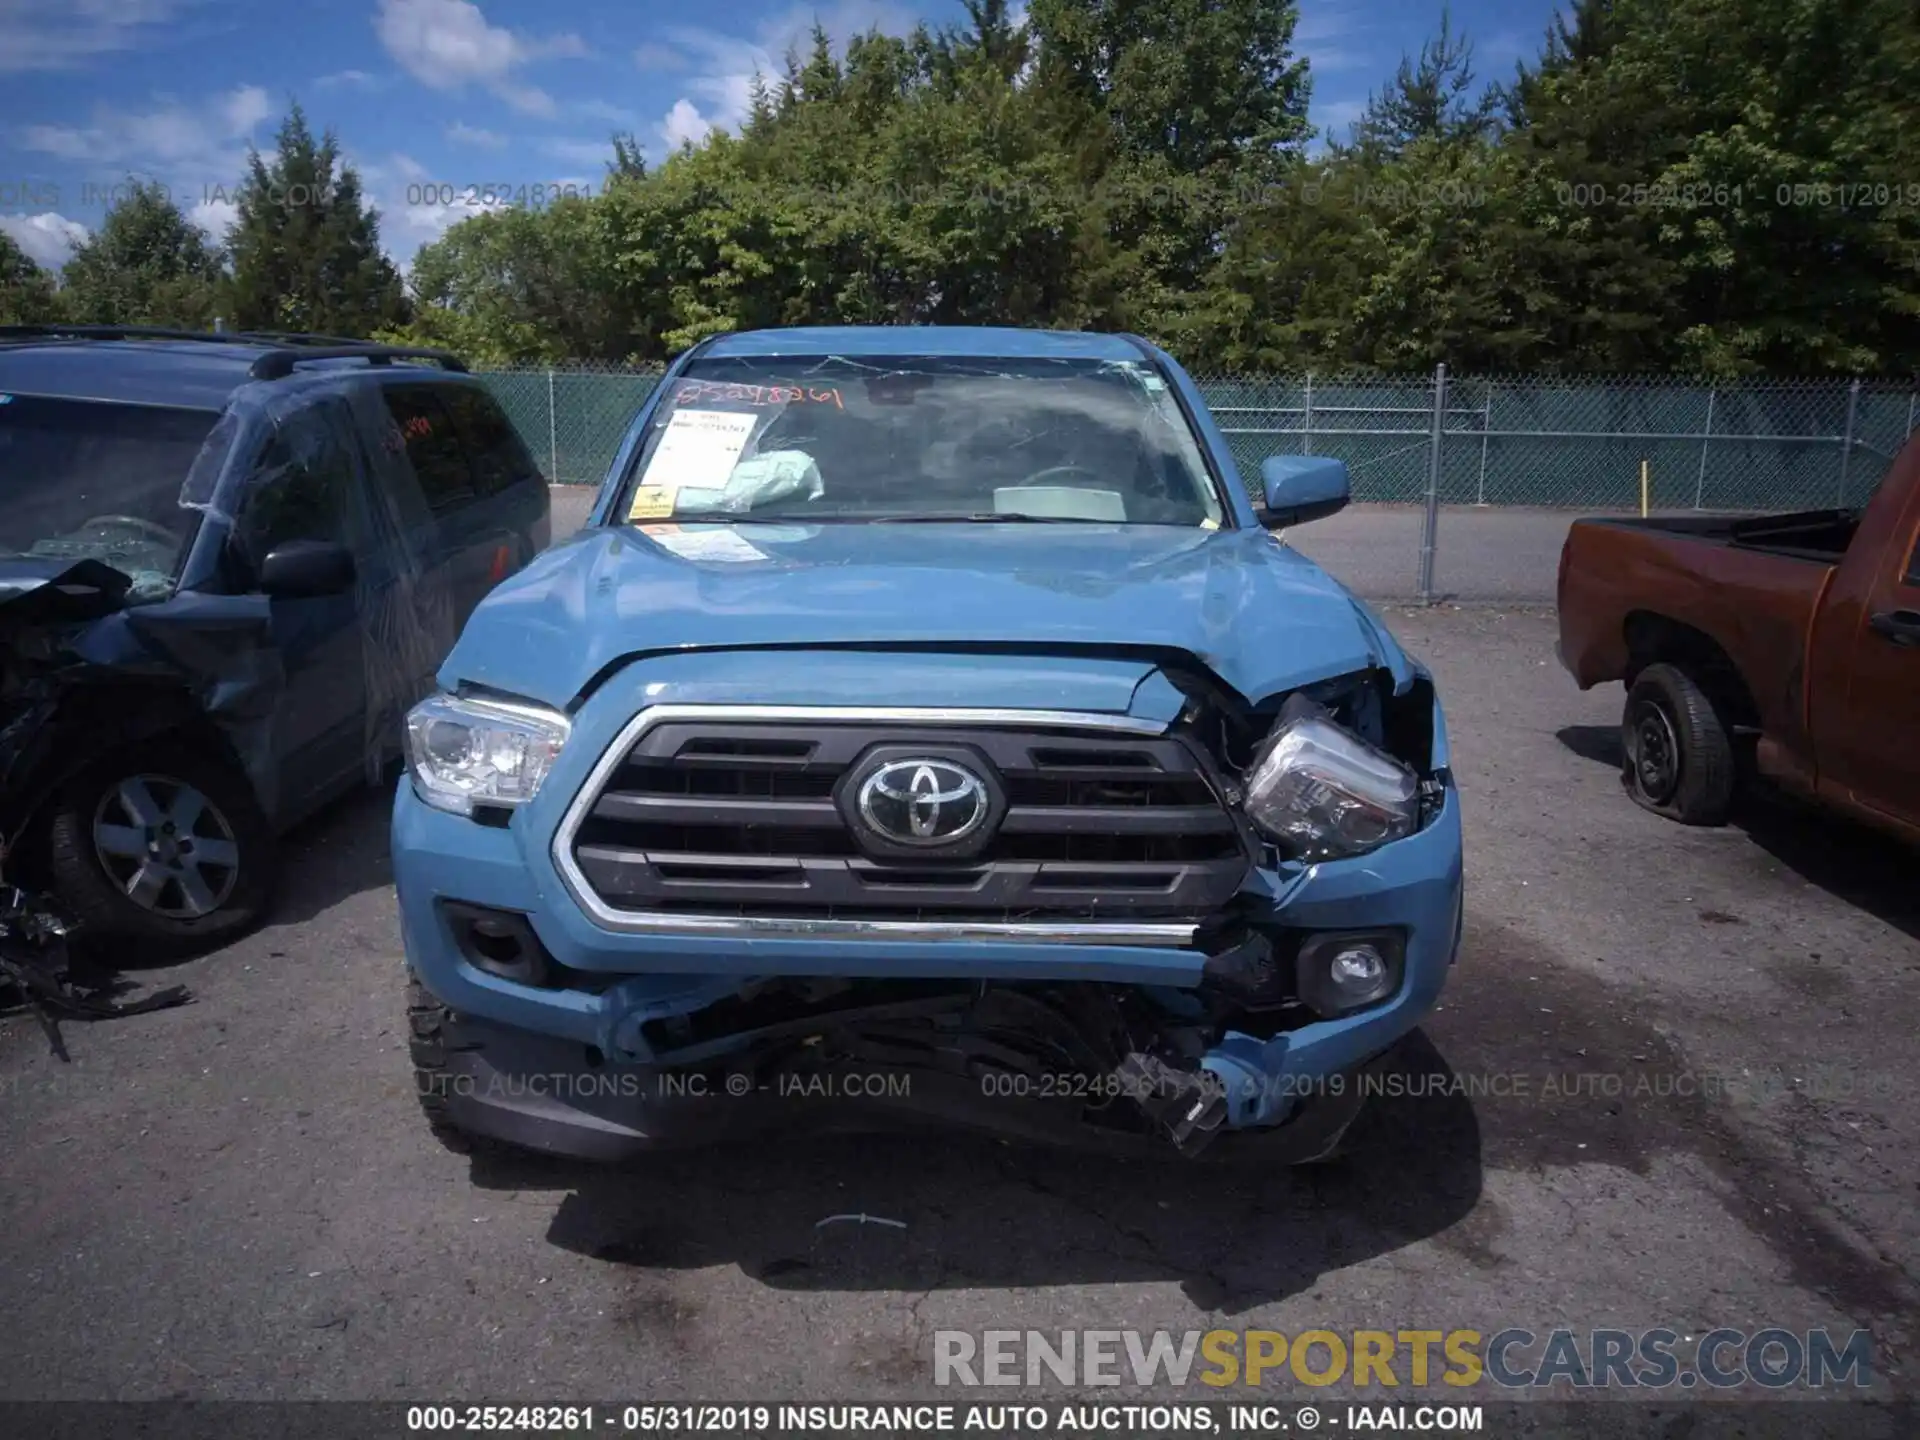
(1300,488)
(304,569)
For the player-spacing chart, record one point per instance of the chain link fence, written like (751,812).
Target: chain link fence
(1463,485)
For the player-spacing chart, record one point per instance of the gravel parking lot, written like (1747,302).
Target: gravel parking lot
(238,1199)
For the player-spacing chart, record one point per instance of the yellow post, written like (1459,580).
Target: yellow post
(1643,489)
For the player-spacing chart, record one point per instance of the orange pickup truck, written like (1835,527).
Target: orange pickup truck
(1787,646)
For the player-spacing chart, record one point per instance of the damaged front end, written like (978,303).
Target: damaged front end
(43,605)
(1195,920)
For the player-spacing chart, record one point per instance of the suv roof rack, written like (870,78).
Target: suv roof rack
(299,337)
(278,364)
(288,348)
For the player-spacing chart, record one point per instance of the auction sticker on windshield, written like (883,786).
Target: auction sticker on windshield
(697,451)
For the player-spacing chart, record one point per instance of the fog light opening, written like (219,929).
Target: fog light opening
(496,942)
(1358,971)
(499,942)
(1342,973)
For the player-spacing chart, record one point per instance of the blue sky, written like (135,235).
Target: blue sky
(461,94)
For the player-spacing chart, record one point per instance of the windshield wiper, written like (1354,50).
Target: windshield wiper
(943,517)
(986,517)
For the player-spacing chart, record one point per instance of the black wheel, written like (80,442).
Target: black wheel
(1679,756)
(166,849)
(426,1043)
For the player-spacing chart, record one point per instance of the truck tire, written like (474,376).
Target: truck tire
(1679,759)
(161,851)
(426,1045)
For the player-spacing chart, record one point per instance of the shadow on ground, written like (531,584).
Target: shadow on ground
(339,853)
(1851,862)
(977,1212)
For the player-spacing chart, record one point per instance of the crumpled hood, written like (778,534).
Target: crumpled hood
(1258,614)
(41,589)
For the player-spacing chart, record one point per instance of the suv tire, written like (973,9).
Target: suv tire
(163,848)
(1678,753)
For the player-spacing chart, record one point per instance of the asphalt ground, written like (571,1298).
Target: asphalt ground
(1691,1057)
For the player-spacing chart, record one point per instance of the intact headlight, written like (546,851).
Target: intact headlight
(1323,792)
(464,753)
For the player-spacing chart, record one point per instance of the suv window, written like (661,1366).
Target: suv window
(432,445)
(500,456)
(297,499)
(90,479)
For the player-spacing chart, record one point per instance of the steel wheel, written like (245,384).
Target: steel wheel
(1654,752)
(167,847)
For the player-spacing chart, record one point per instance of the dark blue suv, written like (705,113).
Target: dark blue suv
(228,566)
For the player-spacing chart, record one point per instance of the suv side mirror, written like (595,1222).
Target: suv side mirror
(304,569)
(1300,488)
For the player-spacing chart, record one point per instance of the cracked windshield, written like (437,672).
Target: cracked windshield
(81,480)
(923,440)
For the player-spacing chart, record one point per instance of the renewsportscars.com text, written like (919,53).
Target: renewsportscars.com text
(1602,1359)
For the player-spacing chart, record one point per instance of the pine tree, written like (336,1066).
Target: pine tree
(305,247)
(1431,98)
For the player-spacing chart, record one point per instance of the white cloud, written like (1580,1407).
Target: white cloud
(246,108)
(66,36)
(359,79)
(720,90)
(48,239)
(412,209)
(684,125)
(1331,40)
(190,147)
(448,45)
(463,134)
(527,99)
(215,216)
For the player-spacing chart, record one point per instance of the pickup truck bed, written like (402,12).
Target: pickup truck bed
(1783,644)
(1821,536)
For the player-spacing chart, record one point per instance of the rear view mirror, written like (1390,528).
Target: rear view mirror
(303,569)
(1300,488)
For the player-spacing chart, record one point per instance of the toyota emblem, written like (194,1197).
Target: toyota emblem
(923,802)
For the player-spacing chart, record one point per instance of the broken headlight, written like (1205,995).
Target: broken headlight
(1322,792)
(465,753)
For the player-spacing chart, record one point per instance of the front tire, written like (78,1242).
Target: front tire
(1679,759)
(427,1048)
(164,849)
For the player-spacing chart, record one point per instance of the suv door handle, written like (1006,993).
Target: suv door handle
(1902,627)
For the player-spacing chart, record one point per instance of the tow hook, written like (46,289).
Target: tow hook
(1187,1106)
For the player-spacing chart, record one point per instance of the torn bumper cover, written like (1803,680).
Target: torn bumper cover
(1088,977)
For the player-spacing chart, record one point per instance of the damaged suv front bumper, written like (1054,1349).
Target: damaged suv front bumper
(583,1015)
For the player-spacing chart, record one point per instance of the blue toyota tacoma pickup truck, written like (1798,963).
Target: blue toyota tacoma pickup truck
(926,726)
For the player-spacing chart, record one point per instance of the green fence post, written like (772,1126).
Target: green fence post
(1846,444)
(1432,527)
(553,429)
(1486,424)
(1700,485)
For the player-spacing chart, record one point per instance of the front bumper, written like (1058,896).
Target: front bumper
(600,1090)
